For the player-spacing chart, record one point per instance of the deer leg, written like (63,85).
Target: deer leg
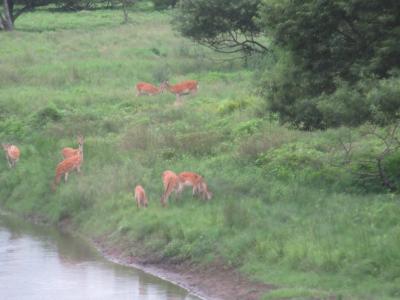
(164,199)
(8,162)
(66,177)
(194,191)
(178,100)
(178,191)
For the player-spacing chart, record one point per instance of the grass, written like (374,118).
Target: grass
(285,210)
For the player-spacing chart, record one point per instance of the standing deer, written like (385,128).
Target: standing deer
(197,183)
(183,88)
(68,165)
(144,88)
(12,154)
(171,184)
(140,197)
(68,152)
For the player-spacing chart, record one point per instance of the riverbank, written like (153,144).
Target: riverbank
(53,264)
(208,282)
(211,282)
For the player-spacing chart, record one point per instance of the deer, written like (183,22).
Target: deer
(199,186)
(12,154)
(68,165)
(183,88)
(140,197)
(144,88)
(171,184)
(68,152)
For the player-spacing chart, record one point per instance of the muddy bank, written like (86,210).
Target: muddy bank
(214,282)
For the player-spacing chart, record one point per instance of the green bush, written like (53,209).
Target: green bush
(47,114)
(308,89)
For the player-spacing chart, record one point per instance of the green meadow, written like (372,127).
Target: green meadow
(287,208)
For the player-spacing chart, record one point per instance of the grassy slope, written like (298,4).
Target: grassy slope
(281,213)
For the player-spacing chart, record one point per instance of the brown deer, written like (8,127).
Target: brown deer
(68,165)
(12,154)
(197,183)
(68,152)
(183,88)
(144,88)
(140,197)
(171,184)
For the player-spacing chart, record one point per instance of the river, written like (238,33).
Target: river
(37,262)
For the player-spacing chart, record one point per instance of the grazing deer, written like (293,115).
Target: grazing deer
(183,88)
(12,154)
(171,184)
(144,88)
(68,165)
(140,197)
(197,183)
(68,152)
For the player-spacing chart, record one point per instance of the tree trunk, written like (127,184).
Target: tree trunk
(6,19)
(385,181)
(125,9)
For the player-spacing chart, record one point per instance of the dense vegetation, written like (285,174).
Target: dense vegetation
(337,61)
(308,211)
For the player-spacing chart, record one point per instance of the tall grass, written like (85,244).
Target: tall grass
(285,210)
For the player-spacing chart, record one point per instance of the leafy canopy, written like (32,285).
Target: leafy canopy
(333,45)
(224,25)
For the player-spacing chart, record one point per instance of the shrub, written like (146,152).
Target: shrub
(47,114)
(230,105)
(251,147)
(199,143)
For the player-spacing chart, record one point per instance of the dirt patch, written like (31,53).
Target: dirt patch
(214,282)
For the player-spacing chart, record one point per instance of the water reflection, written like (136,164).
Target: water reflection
(40,263)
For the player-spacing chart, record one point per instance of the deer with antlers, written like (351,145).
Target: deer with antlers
(144,88)
(12,154)
(68,165)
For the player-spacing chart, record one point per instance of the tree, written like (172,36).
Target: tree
(10,13)
(225,25)
(333,45)
(125,4)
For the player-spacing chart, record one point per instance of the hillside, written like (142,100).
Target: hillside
(287,208)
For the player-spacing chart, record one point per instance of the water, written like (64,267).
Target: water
(41,263)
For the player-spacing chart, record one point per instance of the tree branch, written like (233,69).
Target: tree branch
(25,9)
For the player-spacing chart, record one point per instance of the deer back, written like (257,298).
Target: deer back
(13,152)
(147,88)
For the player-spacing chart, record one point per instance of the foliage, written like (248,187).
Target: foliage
(334,49)
(226,25)
(10,11)
(337,38)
